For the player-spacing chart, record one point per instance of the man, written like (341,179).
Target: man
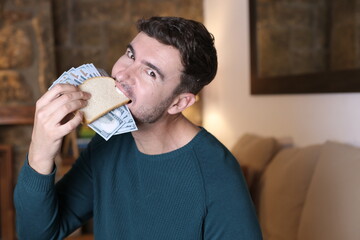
(168,180)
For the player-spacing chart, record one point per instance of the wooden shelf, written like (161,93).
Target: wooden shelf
(7,213)
(16,115)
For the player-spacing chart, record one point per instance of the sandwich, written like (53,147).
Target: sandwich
(105,96)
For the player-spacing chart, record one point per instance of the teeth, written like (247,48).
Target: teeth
(118,90)
(116,79)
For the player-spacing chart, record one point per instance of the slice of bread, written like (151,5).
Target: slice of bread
(104,97)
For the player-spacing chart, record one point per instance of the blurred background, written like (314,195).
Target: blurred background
(40,39)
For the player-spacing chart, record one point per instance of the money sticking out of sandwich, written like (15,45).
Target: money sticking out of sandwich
(104,97)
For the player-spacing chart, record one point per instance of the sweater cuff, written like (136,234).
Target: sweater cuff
(35,181)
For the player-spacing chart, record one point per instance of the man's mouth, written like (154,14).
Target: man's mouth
(120,88)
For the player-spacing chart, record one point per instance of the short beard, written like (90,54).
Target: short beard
(152,115)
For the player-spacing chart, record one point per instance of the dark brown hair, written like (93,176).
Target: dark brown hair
(196,46)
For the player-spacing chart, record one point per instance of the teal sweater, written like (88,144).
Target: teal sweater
(195,192)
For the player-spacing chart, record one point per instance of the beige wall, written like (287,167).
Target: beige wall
(229,109)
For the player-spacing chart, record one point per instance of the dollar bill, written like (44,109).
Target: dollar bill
(129,122)
(107,125)
(117,121)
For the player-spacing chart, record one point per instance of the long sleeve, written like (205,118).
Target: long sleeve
(48,211)
(230,211)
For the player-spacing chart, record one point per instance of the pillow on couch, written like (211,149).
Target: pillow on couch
(332,206)
(282,191)
(254,153)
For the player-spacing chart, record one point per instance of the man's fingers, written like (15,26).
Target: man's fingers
(70,100)
(64,109)
(63,104)
(71,124)
(55,92)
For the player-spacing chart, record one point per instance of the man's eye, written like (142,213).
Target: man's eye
(151,73)
(130,54)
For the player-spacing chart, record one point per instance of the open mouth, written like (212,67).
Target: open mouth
(120,90)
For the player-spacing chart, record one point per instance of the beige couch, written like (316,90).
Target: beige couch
(307,193)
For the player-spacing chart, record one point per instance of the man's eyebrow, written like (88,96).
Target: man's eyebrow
(150,65)
(131,48)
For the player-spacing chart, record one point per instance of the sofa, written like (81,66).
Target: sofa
(302,193)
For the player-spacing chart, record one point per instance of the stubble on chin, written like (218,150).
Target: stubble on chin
(152,114)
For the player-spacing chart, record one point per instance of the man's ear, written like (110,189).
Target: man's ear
(181,102)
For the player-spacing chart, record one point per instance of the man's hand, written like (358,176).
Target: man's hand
(56,115)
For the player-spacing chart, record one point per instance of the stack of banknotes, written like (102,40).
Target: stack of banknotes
(117,121)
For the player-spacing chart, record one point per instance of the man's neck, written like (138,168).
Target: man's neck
(165,135)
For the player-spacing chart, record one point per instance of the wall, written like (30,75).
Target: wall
(230,111)
(27,64)
(99,31)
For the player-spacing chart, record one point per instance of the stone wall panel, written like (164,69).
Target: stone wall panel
(15,46)
(70,57)
(14,89)
(88,35)
(26,63)
(104,28)
(14,16)
(98,11)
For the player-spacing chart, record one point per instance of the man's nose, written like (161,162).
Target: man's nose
(126,75)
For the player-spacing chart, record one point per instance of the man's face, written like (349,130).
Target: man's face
(148,73)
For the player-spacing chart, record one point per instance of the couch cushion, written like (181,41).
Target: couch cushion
(253,153)
(332,208)
(282,190)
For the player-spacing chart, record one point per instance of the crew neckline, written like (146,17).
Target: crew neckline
(173,153)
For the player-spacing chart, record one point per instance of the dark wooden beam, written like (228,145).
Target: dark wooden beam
(16,115)
(7,213)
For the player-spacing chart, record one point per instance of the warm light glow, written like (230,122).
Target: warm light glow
(194,113)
